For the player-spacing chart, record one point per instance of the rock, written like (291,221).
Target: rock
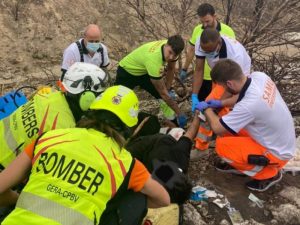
(203,210)
(251,222)
(292,194)
(192,216)
(224,222)
(266,212)
(274,222)
(181,92)
(287,214)
(26,68)
(15,61)
(6,76)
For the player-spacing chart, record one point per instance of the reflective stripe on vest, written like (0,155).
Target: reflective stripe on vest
(9,137)
(51,210)
(42,113)
(83,163)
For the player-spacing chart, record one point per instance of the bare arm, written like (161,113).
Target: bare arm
(190,53)
(14,174)
(156,193)
(170,74)
(198,75)
(194,126)
(163,92)
(214,122)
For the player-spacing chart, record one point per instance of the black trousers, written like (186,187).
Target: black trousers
(129,209)
(205,90)
(126,79)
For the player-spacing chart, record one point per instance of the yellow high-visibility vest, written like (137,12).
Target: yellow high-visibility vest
(42,113)
(75,172)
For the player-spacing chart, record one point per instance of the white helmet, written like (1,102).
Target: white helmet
(81,77)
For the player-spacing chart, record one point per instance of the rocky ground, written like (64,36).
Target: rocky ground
(31,51)
(280,205)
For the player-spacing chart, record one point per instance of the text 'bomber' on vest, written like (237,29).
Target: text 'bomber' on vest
(73,172)
(29,119)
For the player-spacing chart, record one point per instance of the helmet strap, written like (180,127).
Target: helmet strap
(73,101)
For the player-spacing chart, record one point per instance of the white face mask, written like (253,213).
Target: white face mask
(93,47)
(212,55)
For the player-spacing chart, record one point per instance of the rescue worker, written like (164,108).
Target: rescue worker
(88,49)
(213,46)
(75,172)
(257,137)
(208,19)
(144,67)
(47,111)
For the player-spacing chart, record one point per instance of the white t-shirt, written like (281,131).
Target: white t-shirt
(230,49)
(264,114)
(72,55)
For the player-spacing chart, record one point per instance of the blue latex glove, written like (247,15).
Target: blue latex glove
(182,74)
(195,101)
(201,106)
(172,94)
(182,120)
(214,103)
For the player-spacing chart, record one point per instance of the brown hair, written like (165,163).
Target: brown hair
(105,122)
(205,9)
(177,43)
(224,70)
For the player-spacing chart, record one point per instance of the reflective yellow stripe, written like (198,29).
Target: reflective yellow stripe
(9,137)
(51,210)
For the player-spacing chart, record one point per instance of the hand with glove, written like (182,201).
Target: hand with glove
(201,106)
(195,101)
(172,94)
(183,74)
(182,120)
(214,103)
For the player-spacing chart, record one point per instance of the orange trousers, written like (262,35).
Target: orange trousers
(235,150)
(216,93)
(205,133)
